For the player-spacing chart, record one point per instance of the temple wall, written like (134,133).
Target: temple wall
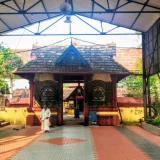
(14,115)
(132,114)
(103,77)
(18,115)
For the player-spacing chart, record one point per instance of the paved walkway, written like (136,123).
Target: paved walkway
(78,142)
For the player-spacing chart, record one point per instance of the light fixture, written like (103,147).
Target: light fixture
(68,19)
(66,8)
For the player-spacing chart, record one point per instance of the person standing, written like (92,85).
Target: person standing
(45,115)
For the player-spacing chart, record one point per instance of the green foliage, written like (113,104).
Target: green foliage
(134,86)
(155,122)
(4,88)
(9,62)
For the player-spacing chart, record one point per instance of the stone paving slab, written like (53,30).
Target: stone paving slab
(13,140)
(110,144)
(151,149)
(146,134)
(80,143)
(76,150)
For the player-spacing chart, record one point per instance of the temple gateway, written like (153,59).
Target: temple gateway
(92,65)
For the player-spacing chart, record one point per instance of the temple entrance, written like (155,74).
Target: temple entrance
(73,100)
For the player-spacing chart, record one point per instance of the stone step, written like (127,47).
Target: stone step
(2,124)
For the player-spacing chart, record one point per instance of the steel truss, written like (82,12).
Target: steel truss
(92,26)
(16,9)
(151,68)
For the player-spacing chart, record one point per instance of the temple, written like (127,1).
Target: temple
(92,65)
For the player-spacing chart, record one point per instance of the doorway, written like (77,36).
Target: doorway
(73,100)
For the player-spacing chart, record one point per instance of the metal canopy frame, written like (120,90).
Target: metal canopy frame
(96,8)
(151,62)
(99,31)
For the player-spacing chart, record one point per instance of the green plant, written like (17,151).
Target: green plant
(9,62)
(155,122)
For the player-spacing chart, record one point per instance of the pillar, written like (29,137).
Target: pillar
(114,90)
(31,94)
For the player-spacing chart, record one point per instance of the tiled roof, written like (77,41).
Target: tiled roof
(98,57)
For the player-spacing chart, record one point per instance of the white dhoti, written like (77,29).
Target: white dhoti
(45,125)
(45,115)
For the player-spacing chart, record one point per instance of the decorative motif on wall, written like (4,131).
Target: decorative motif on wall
(46,92)
(99,94)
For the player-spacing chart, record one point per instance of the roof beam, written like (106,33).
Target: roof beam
(44,7)
(115,11)
(21,10)
(112,29)
(9,7)
(139,14)
(28,30)
(108,4)
(76,12)
(75,34)
(32,6)
(87,24)
(4,1)
(92,8)
(71,3)
(5,24)
(99,5)
(143,4)
(24,2)
(52,24)
(123,5)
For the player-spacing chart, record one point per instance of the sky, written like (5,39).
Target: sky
(78,26)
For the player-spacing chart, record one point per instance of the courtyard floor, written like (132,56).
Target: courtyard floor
(78,142)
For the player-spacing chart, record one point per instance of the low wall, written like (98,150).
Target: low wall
(132,114)
(131,109)
(14,115)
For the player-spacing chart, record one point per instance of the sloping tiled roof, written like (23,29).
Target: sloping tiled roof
(98,57)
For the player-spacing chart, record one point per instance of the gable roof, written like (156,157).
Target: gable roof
(71,56)
(98,58)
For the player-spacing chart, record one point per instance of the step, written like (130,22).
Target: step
(2,124)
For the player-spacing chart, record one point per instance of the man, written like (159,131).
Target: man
(45,115)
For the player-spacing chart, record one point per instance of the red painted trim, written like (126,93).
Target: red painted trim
(103,109)
(17,106)
(129,105)
(72,73)
(29,109)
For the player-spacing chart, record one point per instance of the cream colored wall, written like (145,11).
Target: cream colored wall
(43,77)
(14,115)
(103,77)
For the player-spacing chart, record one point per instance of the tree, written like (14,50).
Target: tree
(134,84)
(9,62)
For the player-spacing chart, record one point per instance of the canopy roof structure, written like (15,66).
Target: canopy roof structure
(130,14)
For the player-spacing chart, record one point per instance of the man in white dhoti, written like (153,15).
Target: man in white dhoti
(45,115)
